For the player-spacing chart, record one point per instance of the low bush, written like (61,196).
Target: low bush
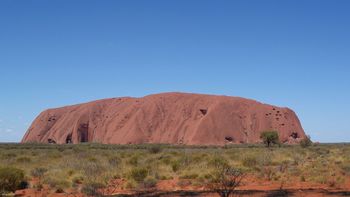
(93,189)
(225,180)
(306,142)
(346,168)
(24,160)
(189,176)
(184,182)
(70,172)
(130,184)
(249,161)
(217,162)
(134,160)
(11,179)
(59,190)
(38,172)
(175,166)
(77,180)
(114,161)
(9,156)
(149,182)
(154,149)
(93,170)
(55,182)
(138,174)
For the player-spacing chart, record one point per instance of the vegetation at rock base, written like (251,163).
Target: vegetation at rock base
(306,142)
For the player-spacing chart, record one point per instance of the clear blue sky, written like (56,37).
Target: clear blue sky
(288,53)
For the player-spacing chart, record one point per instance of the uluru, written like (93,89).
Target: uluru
(169,118)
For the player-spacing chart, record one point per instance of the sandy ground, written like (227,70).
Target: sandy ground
(250,187)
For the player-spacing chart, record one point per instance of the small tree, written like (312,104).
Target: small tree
(226,179)
(270,137)
(306,142)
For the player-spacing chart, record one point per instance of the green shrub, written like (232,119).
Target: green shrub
(225,180)
(130,184)
(93,189)
(175,165)
(114,161)
(269,137)
(166,159)
(78,180)
(164,177)
(250,161)
(306,142)
(184,182)
(55,182)
(265,158)
(218,161)
(189,176)
(92,169)
(12,179)
(24,160)
(134,160)
(70,172)
(55,155)
(154,149)
(92,159)
(149,182)
(38,172)
(9,156)
(346,168)
(138,174)
(59,190)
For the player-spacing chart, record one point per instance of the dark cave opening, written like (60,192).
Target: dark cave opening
(83,133)
(69,139)
(229,138)
(203,111)
(294,135)
(51,141)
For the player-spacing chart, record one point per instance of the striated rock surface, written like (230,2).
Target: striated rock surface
(172,118)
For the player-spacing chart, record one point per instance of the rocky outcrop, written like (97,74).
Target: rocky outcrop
(171,118)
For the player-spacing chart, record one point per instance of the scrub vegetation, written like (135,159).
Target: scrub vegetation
(96,169)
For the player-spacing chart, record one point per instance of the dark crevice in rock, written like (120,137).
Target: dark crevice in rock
(203,111)
(83,133)
(52,118)
(69,139)
(294,135)
(229,138)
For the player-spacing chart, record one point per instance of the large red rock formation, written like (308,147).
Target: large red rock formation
(172,118)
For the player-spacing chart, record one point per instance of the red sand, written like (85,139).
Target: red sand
(250,187)
(172,118)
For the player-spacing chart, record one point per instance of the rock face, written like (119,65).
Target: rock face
(171,118)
